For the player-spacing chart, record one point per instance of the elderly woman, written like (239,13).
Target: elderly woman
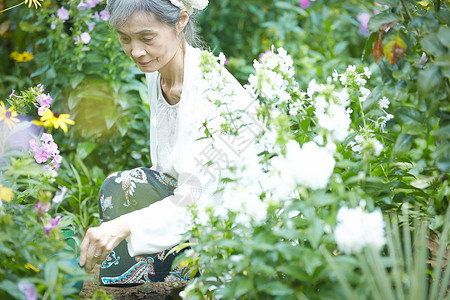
(144,212)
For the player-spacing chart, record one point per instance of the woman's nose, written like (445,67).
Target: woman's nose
(137,51)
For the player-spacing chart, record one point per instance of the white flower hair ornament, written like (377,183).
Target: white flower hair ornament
(190,5)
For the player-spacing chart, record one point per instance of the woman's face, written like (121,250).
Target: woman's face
(150,43)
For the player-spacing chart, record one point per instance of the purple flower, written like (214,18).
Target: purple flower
(33,145)
(12,94)
(82,6)
(28,289)
(104,14)
(96,16)
(51,224)
(91,25)
(423,59)
(63,14)
(44,100)
(85,37)
(92,3)
(41,155)
(46,138)
(40,86)
(364,19)
(42,208)
(305,3)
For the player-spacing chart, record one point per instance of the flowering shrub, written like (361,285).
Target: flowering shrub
(34,255)
(324,167)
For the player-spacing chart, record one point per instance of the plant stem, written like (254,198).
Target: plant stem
(6,9)
(437,5)
(405,6)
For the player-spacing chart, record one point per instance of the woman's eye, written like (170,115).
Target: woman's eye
(124,40)
(147,40)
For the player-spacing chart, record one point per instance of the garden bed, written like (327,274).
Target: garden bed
(154,291)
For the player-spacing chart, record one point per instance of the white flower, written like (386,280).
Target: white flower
(384,103)
(364,94)
(367,72)
(356,229)
(335,75)
(222,59)
(311,166)
(335,119)
(190,4)
(59,195)
(377,146)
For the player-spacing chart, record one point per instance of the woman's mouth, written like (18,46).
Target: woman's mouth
(144,63)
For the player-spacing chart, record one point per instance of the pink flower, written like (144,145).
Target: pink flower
(63,14)
(51,224)
(12,94)
(40,86)
(42,208)
(46,138)
(104,15)
(28,289)
(33,145)
(41,155)
(363,19)
(44,100)
(85,38)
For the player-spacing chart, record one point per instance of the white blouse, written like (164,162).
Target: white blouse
(178,146)
(167,126)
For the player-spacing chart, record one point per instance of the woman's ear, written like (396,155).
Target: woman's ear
(184,19)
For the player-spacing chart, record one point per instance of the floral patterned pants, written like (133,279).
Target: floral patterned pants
(124,192)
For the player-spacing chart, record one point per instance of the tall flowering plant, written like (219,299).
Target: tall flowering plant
(310,210)
(32,246)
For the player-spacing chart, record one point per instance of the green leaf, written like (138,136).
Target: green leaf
(51,273)
(402,144)
(432,45)
(76,79)
(276,289)
(39,71)
(444,36)
(12,289)
(411,119)
(85,148)
(380,19)
(429,80)
(442,133)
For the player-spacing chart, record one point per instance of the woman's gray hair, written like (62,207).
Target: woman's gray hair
(121,10)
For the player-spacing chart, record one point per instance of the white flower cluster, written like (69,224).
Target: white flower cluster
(310,166)
(357,228)
(274,77)
(381,122)
(351,77)
(366,141)
(331,109)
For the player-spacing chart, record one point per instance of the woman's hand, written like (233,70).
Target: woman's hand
(100,241)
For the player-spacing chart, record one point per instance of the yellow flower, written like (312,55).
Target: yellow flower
(31,267)
(6,193)
(50,119)
(21,57)
(8,115)
(35,2)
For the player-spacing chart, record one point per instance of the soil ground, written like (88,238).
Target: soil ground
(154,291)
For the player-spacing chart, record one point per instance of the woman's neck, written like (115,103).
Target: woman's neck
(172,76)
